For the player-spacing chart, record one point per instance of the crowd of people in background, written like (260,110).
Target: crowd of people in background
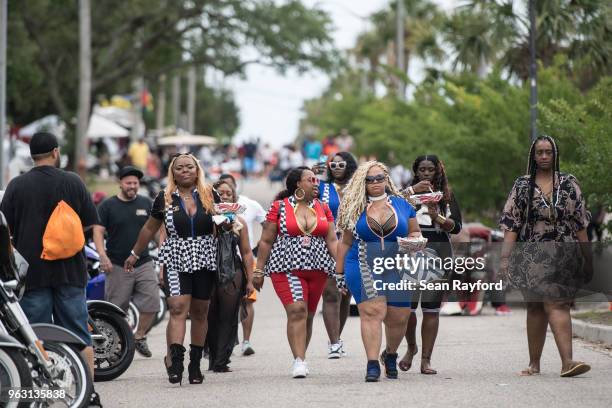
(316,237)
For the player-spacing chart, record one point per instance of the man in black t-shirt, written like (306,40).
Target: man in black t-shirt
(54,290)
(122,217)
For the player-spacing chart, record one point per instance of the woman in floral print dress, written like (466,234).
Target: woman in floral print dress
(545,213)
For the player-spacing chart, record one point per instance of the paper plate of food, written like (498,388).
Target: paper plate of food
(411,244)
(229,208)
(426,198)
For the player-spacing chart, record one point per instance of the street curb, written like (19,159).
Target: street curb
(592,332)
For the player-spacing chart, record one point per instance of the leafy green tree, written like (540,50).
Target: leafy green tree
(140,38)
(583,129)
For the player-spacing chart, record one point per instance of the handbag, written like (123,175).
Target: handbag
(228,261)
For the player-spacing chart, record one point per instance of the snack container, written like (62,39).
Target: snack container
(411,245)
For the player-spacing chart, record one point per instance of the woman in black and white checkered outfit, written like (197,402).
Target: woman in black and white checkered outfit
(188,259)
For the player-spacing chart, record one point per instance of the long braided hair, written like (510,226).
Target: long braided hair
(440,180)
(532,168)
(355,198)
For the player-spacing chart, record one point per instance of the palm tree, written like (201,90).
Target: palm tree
(489,32)
(421,39)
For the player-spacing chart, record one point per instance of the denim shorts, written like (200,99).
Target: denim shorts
(65,306)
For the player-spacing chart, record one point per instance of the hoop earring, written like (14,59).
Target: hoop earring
(296,195)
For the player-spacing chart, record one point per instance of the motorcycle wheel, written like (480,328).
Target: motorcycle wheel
(114,354)
(14,373)
(133,317)
(163,309)
(72,375)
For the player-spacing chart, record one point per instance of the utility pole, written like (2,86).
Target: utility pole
(3,34)
(84,85)
(191,98)
(401,90)
(533,73)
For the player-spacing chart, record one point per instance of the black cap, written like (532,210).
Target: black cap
(42,142)
(130,171)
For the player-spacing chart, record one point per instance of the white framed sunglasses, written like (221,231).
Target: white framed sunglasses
(337,165)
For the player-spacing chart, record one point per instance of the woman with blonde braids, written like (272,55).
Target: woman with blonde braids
(373,214)
(188,256)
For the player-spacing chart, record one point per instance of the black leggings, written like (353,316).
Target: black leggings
(223,321)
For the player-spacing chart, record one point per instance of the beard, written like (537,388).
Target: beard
(129,193)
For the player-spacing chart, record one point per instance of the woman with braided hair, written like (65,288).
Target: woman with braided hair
(373,214)
(436,221)
(545,213)
(336,306)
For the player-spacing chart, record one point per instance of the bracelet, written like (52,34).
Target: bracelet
(411,190)
(134,255)
(258,273)
(440,219)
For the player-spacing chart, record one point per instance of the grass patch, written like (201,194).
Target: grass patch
(107,186)
(595,317)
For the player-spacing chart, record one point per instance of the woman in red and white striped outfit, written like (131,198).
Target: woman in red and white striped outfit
(297,251)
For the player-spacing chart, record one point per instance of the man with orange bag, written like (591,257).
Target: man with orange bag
(47,210)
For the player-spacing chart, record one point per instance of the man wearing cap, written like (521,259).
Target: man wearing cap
(122,217)
(54,290)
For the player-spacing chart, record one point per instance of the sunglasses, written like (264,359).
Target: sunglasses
(313,180)
(375,179)
(337,165)
(174,156)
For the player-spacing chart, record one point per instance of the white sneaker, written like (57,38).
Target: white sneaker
(247,349)
(300,369)
(451,309)
(334,351)
(344,353)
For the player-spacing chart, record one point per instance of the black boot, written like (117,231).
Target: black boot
(175,371)
(195,355)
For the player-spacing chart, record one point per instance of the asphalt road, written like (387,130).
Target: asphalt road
(477,358)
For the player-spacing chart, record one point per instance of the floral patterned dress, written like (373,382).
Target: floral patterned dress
(546,260)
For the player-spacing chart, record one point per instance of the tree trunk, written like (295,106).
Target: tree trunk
(176,100)
(191,98)
(84,86)
(161,105)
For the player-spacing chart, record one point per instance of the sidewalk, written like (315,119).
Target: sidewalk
(594,326)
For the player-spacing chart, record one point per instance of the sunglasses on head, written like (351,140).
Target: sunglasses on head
(337,165)
(174,156)
(375,179)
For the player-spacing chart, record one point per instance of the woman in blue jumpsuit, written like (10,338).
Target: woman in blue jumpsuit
(372,216)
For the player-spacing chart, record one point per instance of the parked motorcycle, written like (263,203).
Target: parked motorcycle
(95,288)
(52,353)
(112,330)
(113,340)
(14,370)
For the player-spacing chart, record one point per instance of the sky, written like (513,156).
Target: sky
(270,103)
